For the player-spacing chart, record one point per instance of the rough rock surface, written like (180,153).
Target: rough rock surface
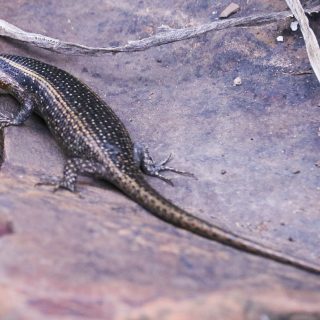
(253,148)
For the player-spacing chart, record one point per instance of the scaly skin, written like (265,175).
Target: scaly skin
(97,143)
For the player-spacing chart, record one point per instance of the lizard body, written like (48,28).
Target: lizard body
(96,143)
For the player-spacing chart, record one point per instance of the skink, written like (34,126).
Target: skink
(97,144)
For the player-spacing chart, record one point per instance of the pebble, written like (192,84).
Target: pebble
(229,10)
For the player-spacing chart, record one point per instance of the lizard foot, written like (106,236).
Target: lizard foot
(151,168)
(57,183)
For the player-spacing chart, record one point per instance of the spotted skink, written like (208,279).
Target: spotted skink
(96,143)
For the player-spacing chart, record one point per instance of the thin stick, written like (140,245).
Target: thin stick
(167,35)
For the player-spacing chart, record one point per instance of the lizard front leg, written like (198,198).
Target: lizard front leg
(72,169)
(18,119)
(9,86)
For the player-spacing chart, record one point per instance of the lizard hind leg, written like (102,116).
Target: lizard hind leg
(145,162)
(72,169)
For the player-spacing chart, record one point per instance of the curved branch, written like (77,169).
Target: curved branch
(166,35)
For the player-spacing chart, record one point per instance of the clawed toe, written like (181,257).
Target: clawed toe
(167,180)
(184,173)
(163,163)
(47,181)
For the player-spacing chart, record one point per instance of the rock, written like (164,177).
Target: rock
(97,255)
(229,10)
(237,81)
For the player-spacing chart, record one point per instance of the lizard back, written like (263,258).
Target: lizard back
(81,122)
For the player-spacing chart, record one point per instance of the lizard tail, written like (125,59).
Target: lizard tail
(141,192)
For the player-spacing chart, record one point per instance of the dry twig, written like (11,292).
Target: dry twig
(167,35)
(310,39)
